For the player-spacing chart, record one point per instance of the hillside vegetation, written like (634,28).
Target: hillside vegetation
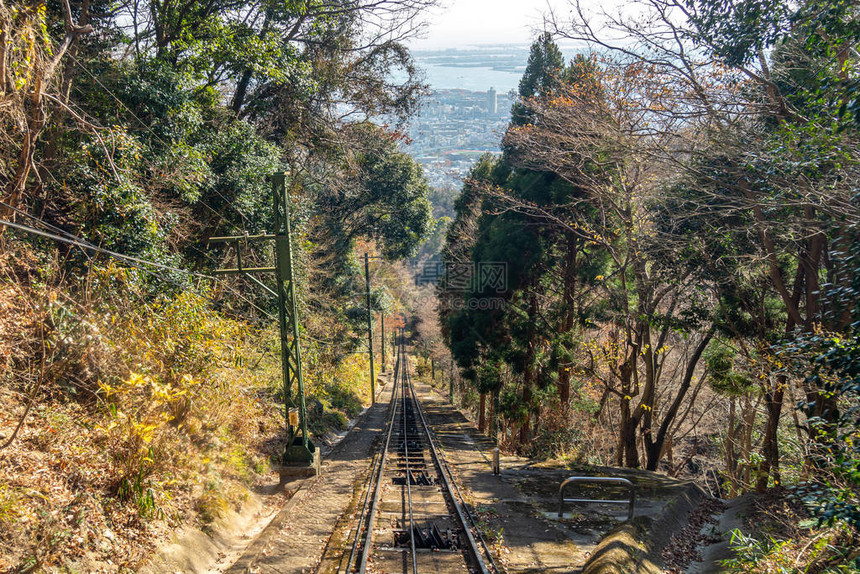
(140,392)
(661,269)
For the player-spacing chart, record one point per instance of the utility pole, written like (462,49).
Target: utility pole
(497,468)
(382,334)
(369,328)
(451,383)
(300,450)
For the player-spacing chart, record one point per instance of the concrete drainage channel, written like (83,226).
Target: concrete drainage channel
(635,546)
(614,538)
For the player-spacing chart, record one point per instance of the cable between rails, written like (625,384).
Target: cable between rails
(408,471)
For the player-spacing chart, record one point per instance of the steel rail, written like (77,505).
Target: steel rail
(367,517)
(377,482)
(447,481)
(372,480)
(486,547)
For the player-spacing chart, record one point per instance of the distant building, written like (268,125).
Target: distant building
(492,102)
(458,120)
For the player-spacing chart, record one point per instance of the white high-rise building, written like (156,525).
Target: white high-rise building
(492,102)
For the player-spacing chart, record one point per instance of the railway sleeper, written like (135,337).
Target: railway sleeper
(428,538)
(411,457)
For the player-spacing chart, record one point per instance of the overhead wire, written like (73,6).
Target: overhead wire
(83,244)
(142,264)
(45,223)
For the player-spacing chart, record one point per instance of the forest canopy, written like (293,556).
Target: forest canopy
(677,210)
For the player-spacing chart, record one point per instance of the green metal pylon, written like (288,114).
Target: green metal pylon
(300,448)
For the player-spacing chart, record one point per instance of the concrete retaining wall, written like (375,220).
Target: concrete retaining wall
(635,547)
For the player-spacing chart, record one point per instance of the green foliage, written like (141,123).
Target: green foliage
(386,198)
(825,553)
(542,75)
(396,204)
(738,30)
(140,492)
(489,376)
(720,365)
(834,372)
(239,163)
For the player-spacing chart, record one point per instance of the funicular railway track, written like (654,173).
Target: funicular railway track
(411,516)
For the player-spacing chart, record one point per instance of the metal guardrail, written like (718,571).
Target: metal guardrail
(597,480)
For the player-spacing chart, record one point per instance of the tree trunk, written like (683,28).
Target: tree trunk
(529,377)
(655,448)
(770,445)
(749,424)
(624,423)
(525,428)
(568,317)
(244,82)
(731,459)
(482,409)
(628,439)
(35,121)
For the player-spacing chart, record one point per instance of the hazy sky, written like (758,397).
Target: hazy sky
(465,22)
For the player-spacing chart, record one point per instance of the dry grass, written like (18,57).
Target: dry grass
(148,411)
(143,415)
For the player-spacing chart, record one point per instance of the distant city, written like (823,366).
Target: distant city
(467,113)
(454,129)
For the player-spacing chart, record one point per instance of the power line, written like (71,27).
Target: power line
(86,245)
(78,242)
(75,240)
(46,224)
(136,261)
